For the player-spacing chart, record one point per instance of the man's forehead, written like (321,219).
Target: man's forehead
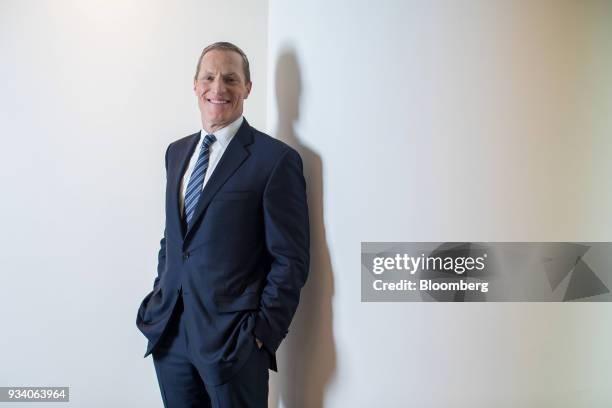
(221,58)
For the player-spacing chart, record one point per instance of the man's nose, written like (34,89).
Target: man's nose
(217,86)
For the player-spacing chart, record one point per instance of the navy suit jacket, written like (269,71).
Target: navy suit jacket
(242,261)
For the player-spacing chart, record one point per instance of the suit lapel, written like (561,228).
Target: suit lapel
(177,168)
(232,158)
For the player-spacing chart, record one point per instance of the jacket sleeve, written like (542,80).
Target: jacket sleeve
(287,236)
(161,260)
(161,266)
(161,255)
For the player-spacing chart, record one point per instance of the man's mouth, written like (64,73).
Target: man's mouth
(218,101)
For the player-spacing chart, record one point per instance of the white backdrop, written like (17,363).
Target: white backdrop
(445,121)
(92,92)
(417,121)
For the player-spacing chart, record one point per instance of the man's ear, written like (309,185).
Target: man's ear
(249,85)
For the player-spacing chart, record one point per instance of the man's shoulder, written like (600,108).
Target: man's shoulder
(184,139)
(270,146)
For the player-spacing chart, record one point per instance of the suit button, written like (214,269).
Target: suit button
(185,256)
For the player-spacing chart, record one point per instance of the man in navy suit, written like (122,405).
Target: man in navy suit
(235,250)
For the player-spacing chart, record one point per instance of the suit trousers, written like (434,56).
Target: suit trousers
(182,385)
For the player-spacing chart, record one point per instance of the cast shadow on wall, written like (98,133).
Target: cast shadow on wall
(307,357)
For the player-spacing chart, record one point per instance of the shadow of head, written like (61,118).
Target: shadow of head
(288,86)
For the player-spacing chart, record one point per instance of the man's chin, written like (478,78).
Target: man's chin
(217,122)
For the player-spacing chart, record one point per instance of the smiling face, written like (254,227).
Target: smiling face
(221,88)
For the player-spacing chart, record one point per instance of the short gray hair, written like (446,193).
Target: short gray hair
(226,46)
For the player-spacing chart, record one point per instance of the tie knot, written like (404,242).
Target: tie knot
(208,140)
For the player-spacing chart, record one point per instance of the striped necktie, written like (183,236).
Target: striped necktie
(194,187)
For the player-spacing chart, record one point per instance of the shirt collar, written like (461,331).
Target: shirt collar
(225,135)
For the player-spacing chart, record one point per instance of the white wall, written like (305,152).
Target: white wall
(441,121)
(91,94)
(444,121)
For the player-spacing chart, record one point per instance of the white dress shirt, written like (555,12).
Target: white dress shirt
(224,137)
